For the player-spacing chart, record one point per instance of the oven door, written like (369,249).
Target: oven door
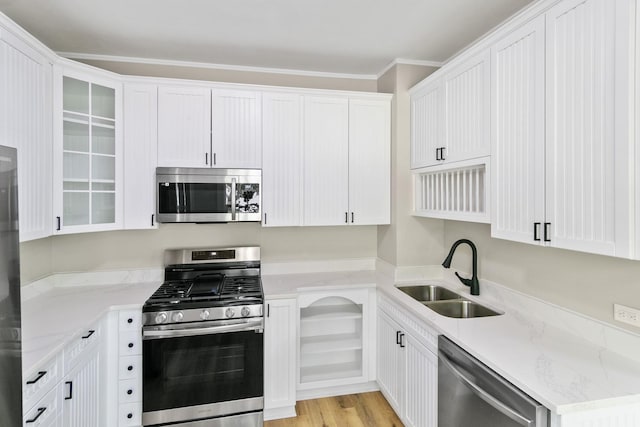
(205,370)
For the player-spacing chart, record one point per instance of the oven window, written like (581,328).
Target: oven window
(248,198)
(187,198)
(202,369)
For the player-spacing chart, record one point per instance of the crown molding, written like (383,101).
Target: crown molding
(402,61)
(167,62)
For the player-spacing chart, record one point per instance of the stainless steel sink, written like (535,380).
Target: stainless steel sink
(424,293)
(461,309)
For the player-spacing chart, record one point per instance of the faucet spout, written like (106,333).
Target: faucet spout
(473,282)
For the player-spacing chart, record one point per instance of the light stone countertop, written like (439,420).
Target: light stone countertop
(562,360)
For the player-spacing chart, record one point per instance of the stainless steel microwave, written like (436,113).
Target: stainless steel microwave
(208,195)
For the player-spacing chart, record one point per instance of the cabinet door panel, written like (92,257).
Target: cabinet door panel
(369,162)
(280,354)
(427,125)
(389,373)
(326,161)
(421,389)
(236,128)
(184,127)
(81,396)
(282,160)
(140,155)
(467,104)
(582,195)
(25,124)
(518,133)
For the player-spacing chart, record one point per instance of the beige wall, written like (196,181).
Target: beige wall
(588,284)
(36,259)
(408,241)
(227,76)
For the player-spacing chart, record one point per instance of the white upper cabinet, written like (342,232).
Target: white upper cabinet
(450,117)
(184,127)
(467,109)
(236,129)
(326,160)
(25,124)
(369,161)
(427,125)
(588,144)
(140,155)
(282,159)
(88,156)
(562,169)
(517,63)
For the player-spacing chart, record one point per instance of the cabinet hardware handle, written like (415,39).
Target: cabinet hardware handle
(91,332)
(152,219)
(398,337)
(206,158)
(130,368)
(129,392)
(38,378)
(129,320)
(214,159)
(547,232)
(268,309)
(58,220)
(351,217)
(346,217)
(265,218)
(536,230)
(130,345)
(34,419)
(442,153)
(70,395)
(129,415)
(402,340)
(437,154)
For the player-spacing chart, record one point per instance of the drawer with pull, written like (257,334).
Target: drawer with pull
(130,414)
(129,367)
(45,412)
(129,320)
(130,343)
(129,391)
(44,379)
(87,339)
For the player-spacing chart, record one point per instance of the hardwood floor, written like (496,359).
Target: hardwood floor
(354,410)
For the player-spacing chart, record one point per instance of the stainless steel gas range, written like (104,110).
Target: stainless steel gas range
(203,341)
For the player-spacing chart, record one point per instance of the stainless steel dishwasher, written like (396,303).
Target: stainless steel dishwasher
(471,394)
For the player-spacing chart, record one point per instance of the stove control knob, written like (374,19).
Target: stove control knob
(205,314)
(177,316)
(229,312)
(245,311)
(161,317)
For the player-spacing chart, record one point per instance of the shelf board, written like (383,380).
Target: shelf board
(330,312)
(330,372)
(330,343)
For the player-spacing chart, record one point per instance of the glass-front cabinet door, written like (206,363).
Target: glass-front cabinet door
(88,154)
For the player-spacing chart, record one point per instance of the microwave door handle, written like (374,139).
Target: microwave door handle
(233,199)
(484,395)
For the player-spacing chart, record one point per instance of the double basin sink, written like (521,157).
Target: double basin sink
(447,303)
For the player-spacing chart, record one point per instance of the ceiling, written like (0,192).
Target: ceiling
(337,36)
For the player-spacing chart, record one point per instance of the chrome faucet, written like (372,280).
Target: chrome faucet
(473,282)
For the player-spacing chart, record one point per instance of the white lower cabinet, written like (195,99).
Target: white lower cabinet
(407,365)
(280,358)
(45,413)
(81,392)
(129,365)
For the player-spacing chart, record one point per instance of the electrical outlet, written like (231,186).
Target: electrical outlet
(626,315)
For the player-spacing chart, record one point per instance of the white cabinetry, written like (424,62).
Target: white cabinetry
(236,129)
(129,365)
(26,124)
(427,124)
(140,155)
(282,159)
(346,161)
(563,179)
(407,365)
(336,338)
(81,391)
(88,153)
(184,127)
(280,358)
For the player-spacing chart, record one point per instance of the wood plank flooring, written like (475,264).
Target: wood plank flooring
(354,410)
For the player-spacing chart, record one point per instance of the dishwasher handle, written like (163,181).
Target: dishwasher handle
(484,395)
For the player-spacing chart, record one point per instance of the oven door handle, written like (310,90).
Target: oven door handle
(254,325)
